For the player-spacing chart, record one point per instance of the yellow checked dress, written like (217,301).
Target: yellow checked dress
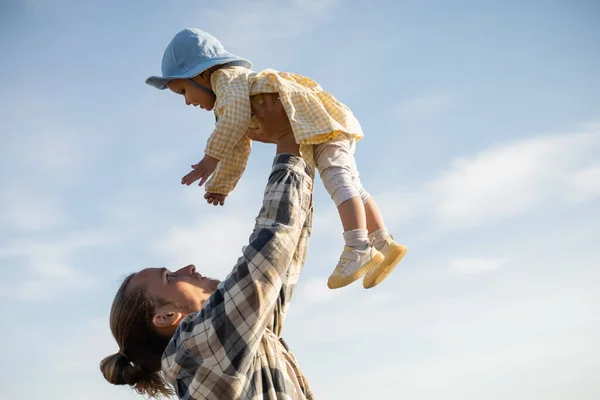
(315,115)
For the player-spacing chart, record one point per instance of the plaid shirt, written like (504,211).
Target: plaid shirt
(231,348)
(315,115)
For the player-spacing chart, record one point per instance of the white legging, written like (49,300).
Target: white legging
(337,167)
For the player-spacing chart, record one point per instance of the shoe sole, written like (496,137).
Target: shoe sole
(383,270)
(359,273)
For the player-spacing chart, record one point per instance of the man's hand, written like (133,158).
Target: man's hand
(203,170)
(274,124)
(273,120)
(258,135)
(215,199)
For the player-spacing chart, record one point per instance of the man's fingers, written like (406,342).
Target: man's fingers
(264,108)
(257,135)
(257,108)
(253,133)
(270,100)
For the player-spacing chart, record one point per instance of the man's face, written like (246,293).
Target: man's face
(185,288)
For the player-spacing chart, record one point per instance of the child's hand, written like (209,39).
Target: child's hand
(215,198)
(201,171)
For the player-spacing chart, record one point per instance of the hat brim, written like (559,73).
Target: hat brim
(162,82)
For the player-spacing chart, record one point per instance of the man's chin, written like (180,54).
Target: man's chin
(209,283)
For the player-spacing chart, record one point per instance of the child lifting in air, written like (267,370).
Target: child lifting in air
(197,66)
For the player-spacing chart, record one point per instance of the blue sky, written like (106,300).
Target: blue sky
(482,124)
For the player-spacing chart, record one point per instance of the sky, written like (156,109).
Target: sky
(482,148)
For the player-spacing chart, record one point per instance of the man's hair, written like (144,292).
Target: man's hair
(138,362)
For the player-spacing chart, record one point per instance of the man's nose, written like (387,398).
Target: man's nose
(187,270)
(187,102)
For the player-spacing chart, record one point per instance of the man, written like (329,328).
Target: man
(205,339)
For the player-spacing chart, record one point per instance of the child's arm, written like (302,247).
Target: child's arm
(233,108)
(230,168)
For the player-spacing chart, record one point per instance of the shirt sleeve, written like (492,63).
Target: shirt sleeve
(226,332)
(230,168)
(233,110)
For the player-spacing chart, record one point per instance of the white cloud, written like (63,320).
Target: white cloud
(504,181)
(550,371)
(52,278)
(25,211)
(315,291)
(48,271)
(402,204)
(71,361)
(468,339)
(471,266)
(212,244)
(586,183)
(509,179)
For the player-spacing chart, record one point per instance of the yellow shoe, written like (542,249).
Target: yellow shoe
(353,265)
(393,253)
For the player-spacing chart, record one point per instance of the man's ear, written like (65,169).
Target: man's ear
(167,317)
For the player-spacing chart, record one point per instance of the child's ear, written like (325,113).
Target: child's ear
(206,74)
(205,78)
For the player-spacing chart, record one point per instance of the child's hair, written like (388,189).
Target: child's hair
(138,362)
(211,70)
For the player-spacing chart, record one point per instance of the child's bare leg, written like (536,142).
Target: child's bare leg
(352,214)
(373,216)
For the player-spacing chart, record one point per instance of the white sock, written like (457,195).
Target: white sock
(378,238)
(357,239)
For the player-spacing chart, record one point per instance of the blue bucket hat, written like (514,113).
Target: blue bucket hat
(190,53)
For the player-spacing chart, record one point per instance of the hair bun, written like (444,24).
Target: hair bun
(118,370)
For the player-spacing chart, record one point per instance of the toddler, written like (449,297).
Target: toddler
(196,66)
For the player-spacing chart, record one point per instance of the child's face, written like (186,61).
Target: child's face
(192,94)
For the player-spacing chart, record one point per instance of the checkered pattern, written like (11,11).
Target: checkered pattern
(315,115)
(231,348)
